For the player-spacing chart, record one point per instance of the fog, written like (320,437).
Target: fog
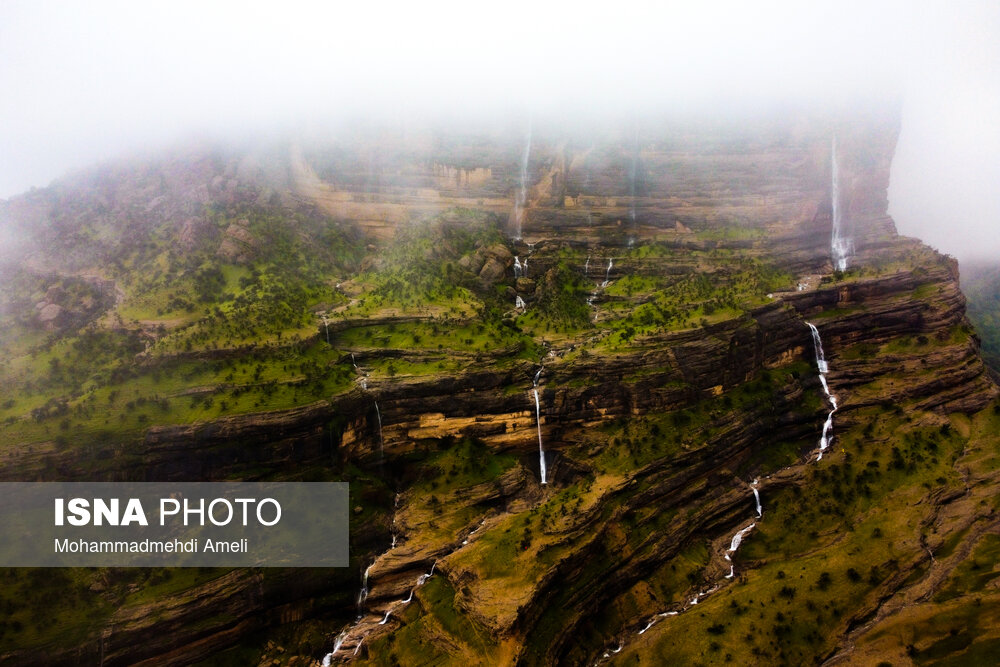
(84,82)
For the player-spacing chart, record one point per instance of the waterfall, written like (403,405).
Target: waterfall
(522,194)
(541,449)
(473,532)
(756,497)
(353,362)
(538,423)
(732,572)
(519,303)
(326,325)
(631,188)
(337,643)
(525,266)
(385,620)
(840,245)
(586,267)
(358,647)
(381,441)
(825,439)
(818,347)
(648,626)
(424,577)
(607,275)
(738,539)
(518,270)
(363,593)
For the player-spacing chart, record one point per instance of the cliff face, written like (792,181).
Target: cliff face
(661,320)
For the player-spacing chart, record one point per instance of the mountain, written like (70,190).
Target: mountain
(602,394)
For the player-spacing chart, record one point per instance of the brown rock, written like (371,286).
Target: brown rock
(492,271)
(499,252)
(49,313)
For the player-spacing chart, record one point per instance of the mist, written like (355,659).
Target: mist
(86,83)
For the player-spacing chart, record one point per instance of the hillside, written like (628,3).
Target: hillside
(981,283)
(562,371)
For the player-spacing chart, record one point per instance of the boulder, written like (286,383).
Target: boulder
(492,271)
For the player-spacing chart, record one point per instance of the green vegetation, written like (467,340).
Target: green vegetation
(981,284)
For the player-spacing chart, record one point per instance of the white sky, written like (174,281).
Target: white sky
(85,81)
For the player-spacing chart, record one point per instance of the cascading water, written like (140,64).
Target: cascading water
(525,267)
(381,441)
(422,579)
(818,347)
(519,303)
(363,593)
(586,267)
(518,269)
(326,325)
(473,532)
(607,274)
(840,245)
(826,437)
(337,643)
(538,423)
(738,539)
(756,497)
(522,193)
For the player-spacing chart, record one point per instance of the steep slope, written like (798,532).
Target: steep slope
(361,311)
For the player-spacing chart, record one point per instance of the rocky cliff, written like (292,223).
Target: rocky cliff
(377,312)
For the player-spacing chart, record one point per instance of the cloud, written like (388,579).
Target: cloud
(87,81)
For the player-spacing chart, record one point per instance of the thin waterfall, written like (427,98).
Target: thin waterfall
(821,363)
(518,269)
(586,267)
(756,497)
(538,423)
(326,325)
(607,274)
(363,593)
(381,441)
(522,194)
(631,188)
(738,539)
(841,246)
(519,303)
